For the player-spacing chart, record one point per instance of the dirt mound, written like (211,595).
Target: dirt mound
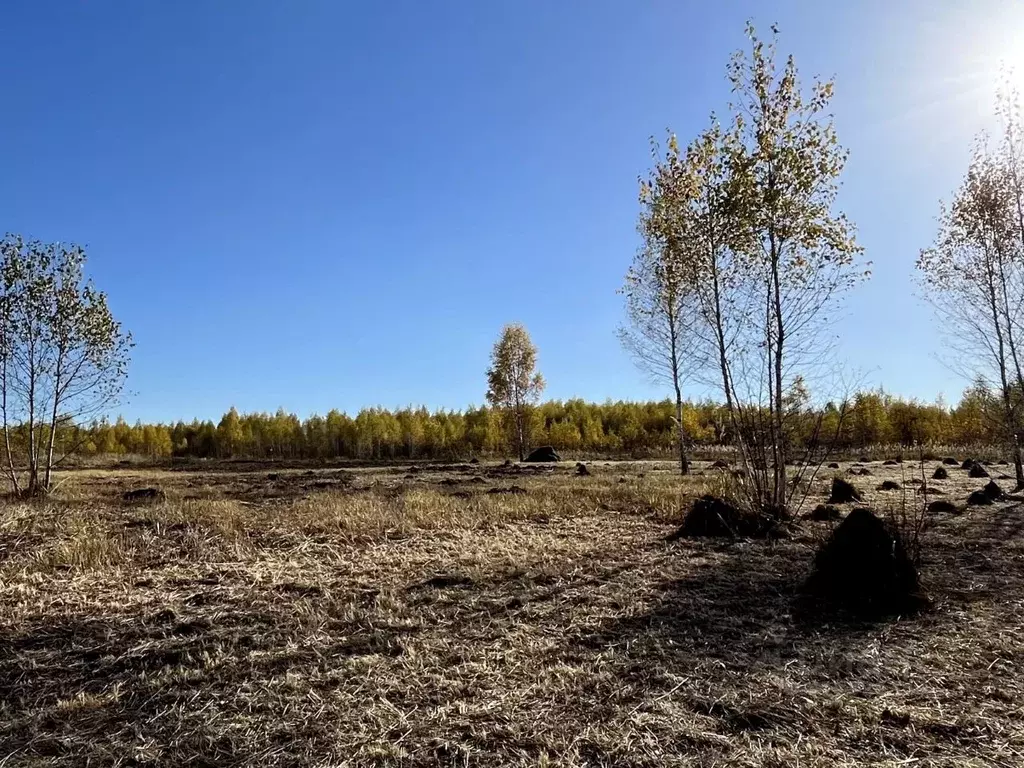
(968,463)
(843,492)
(943,506)
(864,567)
(949,460)
(978,471)
(940,473)
(824,512)
(143,494)
(993,491)
(581,469)
(544,453)
(978,499)
(833,465)
(711,516)
(890,463)
(720,464)
(889,485)
(864,471)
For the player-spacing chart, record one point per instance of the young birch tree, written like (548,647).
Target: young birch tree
(661,302)
(63,356)
(513,383)
(794,255)
(971,278)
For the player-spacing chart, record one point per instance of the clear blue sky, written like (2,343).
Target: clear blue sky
(320,204)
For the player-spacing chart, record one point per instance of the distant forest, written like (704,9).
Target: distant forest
(575,427)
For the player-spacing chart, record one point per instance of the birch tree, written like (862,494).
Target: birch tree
(513,383)
(661,301)
(971,277)
(794,254)
(63,356)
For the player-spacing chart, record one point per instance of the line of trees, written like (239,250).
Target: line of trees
(572,426)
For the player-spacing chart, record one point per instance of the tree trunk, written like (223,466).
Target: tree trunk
(53,430)
(33,466)
(12,472)
(684,462)
(779,495)
(723,359)
(1018,464)
(1008,409)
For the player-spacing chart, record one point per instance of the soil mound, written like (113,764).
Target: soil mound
(711,516)
(864,567)
(843,492)
(544,453)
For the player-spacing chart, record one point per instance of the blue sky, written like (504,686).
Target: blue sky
(321,204)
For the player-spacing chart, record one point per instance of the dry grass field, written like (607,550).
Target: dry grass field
(485,615)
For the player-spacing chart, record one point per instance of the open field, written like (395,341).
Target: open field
(485,615)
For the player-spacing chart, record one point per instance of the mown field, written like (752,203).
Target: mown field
(486,615)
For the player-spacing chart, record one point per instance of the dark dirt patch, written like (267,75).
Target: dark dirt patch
(824,512)
(513,489)
(143,495)
(445,581)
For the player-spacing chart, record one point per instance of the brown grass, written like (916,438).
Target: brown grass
(363,617)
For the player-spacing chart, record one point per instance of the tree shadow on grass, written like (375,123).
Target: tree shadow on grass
(216,689)
(744,612)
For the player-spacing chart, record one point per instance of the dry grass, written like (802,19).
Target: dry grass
(389,617)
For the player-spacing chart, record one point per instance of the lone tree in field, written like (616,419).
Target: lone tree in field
(513,384)
(661,301)
(63,356)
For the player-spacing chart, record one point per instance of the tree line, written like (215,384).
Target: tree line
(613,429)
